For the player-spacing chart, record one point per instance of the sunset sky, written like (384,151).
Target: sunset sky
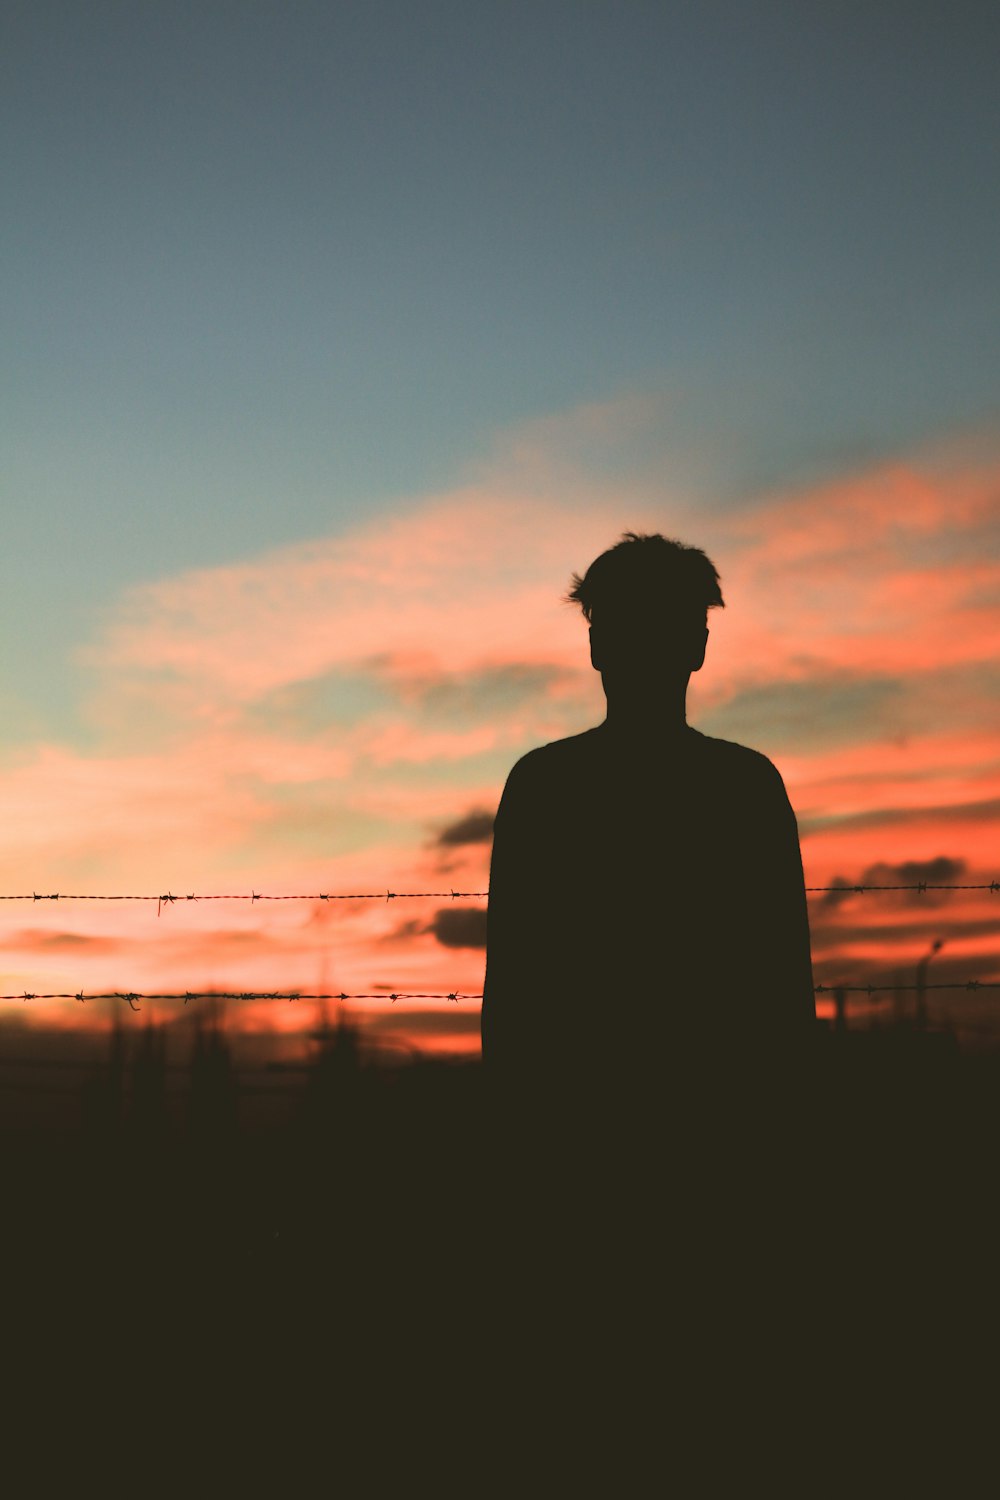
(336,337)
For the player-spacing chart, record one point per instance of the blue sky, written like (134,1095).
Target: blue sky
(272,268)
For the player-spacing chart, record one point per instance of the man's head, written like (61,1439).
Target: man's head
(647,601)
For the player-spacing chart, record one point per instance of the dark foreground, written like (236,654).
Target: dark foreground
(393,1246)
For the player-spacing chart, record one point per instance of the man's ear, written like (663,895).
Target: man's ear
(698,659)
(595,651)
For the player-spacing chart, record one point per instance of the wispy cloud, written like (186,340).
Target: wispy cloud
(459,927)
(474,828)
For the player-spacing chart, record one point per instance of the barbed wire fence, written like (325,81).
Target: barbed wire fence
(131,998)
(168,899)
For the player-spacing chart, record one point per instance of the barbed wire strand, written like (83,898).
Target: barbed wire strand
(132,997)
(872,989)
(167,898)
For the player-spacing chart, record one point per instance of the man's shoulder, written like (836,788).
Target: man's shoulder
(732,754)
(740,766)
(555,757)
(573,746)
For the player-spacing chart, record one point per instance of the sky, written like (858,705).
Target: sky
(336,337)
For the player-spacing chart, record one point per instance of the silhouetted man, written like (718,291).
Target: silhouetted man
(647,928)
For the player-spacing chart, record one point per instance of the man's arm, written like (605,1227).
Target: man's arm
(513,953)
(783,940)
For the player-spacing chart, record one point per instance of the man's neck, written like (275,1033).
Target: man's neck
(662,718)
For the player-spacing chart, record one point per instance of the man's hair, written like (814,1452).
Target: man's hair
(648,573)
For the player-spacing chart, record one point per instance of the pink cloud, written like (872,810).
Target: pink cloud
(892,571)
(425,582)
